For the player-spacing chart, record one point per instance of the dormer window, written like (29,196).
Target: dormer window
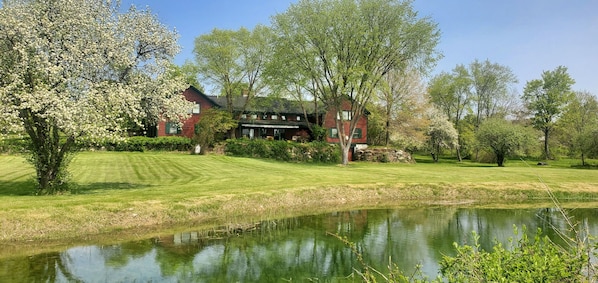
(196,108)
(347,116)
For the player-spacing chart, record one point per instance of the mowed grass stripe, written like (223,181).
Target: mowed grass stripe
(237,175)
(122,190)
(14,168)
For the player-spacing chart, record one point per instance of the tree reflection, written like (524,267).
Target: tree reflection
(296,249)
(47,267)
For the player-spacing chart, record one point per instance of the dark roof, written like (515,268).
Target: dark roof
(265,105)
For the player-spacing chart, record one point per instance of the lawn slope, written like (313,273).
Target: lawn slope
(141,193)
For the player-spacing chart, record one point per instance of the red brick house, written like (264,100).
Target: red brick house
(202,103)
(267,118)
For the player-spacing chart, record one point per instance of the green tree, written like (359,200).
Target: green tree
(451,93)
(547,99)
(346,47)
(491,89)
(503,138)
(230,59)
(580,124)
(400,92)
(212,125)
(78,70)
(441,134)
(189,72)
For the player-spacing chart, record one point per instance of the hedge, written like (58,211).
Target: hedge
(317,152)
(12,145)
(140,143)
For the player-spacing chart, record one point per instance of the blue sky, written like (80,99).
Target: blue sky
(529,36)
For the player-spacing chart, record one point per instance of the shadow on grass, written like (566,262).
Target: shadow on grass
(452,161)
(27,188)
(105,186)
(22,188)
(589,167)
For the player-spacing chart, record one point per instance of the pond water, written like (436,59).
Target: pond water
(299,249)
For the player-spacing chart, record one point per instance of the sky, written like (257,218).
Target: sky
(528,36)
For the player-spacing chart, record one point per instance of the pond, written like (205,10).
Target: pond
(300,249)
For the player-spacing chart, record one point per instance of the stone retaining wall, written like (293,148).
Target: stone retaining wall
(383,155)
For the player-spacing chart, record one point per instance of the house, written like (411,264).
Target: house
(267,118)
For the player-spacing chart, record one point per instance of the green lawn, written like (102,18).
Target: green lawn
(117,191)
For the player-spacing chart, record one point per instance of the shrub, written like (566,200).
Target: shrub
(319,152)
(14,145)
(537,260)
(280,150)
(140,143)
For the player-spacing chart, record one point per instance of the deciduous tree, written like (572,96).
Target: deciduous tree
(213,123)
(491,89)
(345,47)
(580,124)
(73,70)
(451,93)
(503,138)
(402,95)
(228,59)
(441,134)
(547,98)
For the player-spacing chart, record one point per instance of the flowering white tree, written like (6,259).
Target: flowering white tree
(72,70)
(441,133)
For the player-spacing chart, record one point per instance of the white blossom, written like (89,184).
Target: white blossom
(80,69)
(86,67)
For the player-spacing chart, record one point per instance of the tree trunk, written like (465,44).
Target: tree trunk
(546,149)
(458,140)
(345,153)
(48,154)
(387,132)
(459,148)
(500,160)
(436,153)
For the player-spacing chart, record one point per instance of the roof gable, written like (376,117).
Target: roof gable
(191,90)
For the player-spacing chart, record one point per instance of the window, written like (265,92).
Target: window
(172,128)
(243,116)
(357,134)
(196,108)
(253,116)
(274,117)
(298,117)
(247,133)
(279,134)
(283,117)
(347,115)
(333,133)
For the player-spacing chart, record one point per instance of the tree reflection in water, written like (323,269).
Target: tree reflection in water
(291,249)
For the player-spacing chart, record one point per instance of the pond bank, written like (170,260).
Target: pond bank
(102,223)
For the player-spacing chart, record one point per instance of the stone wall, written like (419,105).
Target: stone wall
(383,155)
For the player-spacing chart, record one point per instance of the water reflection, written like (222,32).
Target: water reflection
(294,249)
